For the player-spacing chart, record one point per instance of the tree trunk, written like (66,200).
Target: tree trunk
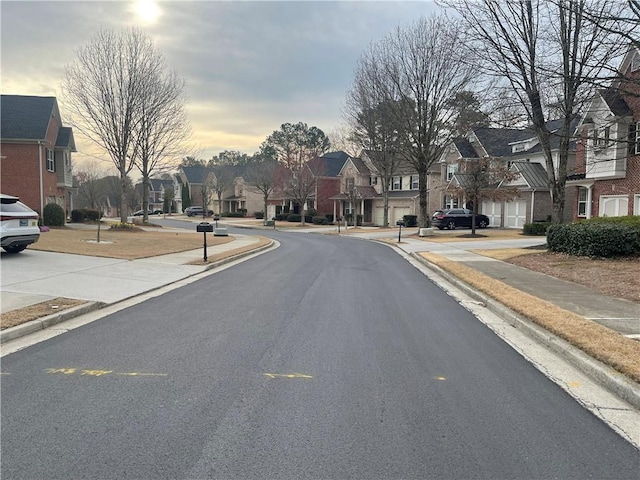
(123,193)
(423,217)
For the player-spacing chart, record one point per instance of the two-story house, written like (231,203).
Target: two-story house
(608,153)
(518,151)
(35,152)
(361,177)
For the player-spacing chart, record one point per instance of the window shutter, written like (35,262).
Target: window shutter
(632,138)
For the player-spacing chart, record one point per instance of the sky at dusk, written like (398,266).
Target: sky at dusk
(249,66)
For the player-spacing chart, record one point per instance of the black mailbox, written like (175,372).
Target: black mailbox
(216,218)
(204,227)
(400,223)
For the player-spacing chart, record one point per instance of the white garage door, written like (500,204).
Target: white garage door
(614,206)
(398,213)
(516,214)
(378,216)
(493,210)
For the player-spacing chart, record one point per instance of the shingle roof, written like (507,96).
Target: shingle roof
(196,175)
(156,183)
(615,102)
(465,148)
(360,166)
(496,140)
(65,138)
(25,117)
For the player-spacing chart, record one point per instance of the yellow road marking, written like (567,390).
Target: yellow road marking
(4,373)
(100,373)
(575,384)
(287,375)
(440,378)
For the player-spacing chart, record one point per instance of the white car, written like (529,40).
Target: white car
(18,224)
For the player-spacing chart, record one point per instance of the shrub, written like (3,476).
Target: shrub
(282,217)
(410,220)
(258,215)
(349,217)
(320,220)
(77,216)
(53,215)
(232,214)
(329,217)
(312,212)
(539,228)
(243,212)
(92,215)
(293,217)
(594,239)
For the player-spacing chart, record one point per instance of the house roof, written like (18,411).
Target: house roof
(156,183)
(496,140)
(196,175)
(533,173)
(465,148)
(25,117)
(65,139)
(615,102)
(403,194)
(333,163)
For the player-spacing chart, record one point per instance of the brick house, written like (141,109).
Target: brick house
(35,152)
(607,177)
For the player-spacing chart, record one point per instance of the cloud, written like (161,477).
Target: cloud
(248,66)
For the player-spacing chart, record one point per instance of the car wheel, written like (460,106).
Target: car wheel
(440,228)
(14,248)
(451,225)
(482,224)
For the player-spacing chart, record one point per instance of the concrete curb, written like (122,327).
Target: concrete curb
(56,318)
(48,321)
(601,373)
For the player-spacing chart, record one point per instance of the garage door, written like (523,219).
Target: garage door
(515,214)
(398,213)
(614,206)
(493,210)
(378,216)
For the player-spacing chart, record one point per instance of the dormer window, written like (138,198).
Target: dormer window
(519,147)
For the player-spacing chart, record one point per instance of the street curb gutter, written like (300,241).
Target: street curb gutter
(56,318)
(606,376)
(48,321)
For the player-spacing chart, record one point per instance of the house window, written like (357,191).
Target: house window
(415,182)
(634,139)
(450,202)
(51,164)
(607,135)
(452,168)
(582,202)
(351,182)
(396,183)
(373,180)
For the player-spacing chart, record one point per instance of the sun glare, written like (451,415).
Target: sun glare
(147,10)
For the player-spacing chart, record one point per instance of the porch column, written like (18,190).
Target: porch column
(533,202)
(589,200)
(334,210)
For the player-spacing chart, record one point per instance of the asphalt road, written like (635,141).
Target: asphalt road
(328,358)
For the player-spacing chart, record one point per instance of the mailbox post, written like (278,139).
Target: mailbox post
(216,218)
(204,227)
(400,224)
(338,219)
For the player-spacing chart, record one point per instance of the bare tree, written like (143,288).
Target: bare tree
(263,177)
(163,127)
(91,184)
(551,55)
(417,70)
(300,185)
(223,179)
(106,91)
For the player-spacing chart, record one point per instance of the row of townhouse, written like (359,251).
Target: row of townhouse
(603,167)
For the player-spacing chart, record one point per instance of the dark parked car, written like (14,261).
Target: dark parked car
(196,211)
(457,217)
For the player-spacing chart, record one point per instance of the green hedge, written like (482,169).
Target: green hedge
(594,239)
(320,220)
(53,215)
(538,228)
(85,215)
(232,214)
(293,217)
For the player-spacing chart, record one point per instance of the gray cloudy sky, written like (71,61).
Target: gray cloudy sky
(249,66)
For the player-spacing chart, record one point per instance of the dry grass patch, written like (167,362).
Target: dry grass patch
(39,310)
(612,348)
(123,244)
(481,234)
(505,253)
(236,251)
